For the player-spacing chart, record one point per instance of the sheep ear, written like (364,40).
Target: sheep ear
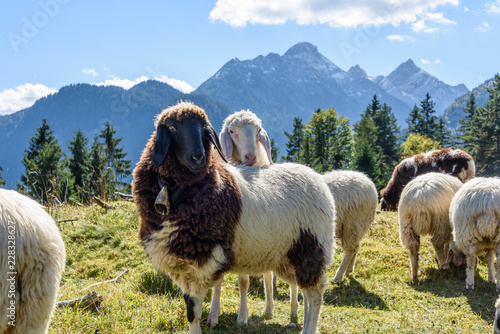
(264,139)
(227,144)
(214,139)
(162,144)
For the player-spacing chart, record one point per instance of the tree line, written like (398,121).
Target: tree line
(86,172)
(375,145)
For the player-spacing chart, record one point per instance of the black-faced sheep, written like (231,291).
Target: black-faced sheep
(423,210)
(32,258)
(218,218)
(454,162)
(475,220)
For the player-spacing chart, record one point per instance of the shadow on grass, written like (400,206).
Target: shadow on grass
(154,283)
(451,284)
(256,324)
(352,293)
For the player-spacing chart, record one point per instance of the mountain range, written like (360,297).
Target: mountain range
(277,88)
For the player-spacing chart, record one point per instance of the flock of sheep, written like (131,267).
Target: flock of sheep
(202,217)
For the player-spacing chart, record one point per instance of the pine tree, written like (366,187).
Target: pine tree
(415,121)
(294,141)
(430,121)
(79,160)
(387,137)
(468,125)
(99,174)
(275,151)
(443,134)
(115,156)
(42,161)
(490,117)
(2,181)
(366,155)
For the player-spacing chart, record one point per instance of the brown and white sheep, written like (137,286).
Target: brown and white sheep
(454,162)
(423,210)
(219,218)
(32,259)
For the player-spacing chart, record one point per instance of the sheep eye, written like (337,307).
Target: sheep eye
(172,128)
(231,131)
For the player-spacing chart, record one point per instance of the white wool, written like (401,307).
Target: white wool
(40,258)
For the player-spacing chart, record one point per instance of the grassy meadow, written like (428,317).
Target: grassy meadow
(379,297)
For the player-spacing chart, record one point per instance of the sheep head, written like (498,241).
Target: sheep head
(241,134)
(185,132)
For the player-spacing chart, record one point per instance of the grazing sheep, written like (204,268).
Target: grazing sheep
(475,220)
(355,197)
(423,210)
(217,218)
(496,323)
(32,258)
(244,140)
(454,162)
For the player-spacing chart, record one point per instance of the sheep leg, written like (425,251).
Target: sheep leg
(352,261)
(490,257)
(343,266)
(314,297)
(470,271)
(498,267)
(413,245)
(243,283)
(194,305)
(294,302)
(213,315)
(439,251)
(268,290)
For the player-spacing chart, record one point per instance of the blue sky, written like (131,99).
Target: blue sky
(47,44)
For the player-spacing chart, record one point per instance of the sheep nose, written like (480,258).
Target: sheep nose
(198,157)
(250,159)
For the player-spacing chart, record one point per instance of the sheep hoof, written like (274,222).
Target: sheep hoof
(268,312)
(470,286)
(337,279)
(294,318)
(213,320)
(445,266)
(291,326)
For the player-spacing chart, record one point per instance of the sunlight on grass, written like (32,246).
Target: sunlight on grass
(379,297)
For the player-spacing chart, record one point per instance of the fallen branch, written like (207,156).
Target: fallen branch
(103,204)
(123,196)
(67,220)
(90,299)
(114,280)
(75,201)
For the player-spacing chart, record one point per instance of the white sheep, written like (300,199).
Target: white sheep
(475,219)
(354,193)
(423,210)
(32,258)
(496,322)
(213,218)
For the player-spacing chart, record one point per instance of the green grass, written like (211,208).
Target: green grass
(379,297)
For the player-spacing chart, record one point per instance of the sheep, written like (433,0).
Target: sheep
(423,210)
(244,140)
(354,193)
(454,162)
(201,218)
(475,220)
(32,258)
(496,323)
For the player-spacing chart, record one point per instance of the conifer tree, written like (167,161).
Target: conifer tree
(294,141)
(2,181)
(415,121)
(79,160)
(115,156)
(367,154)
(42,161)
(99,175)
(490,141)
(430,121)
(387,136)
(275,151)
(468,125)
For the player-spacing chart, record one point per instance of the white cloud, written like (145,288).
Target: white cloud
(427,62)
(239,13)
(435,19)
(494,7)
(180,85)
(127,83)
(90,71)
(483,27)
(12,100)
(400,38)
(466,9)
